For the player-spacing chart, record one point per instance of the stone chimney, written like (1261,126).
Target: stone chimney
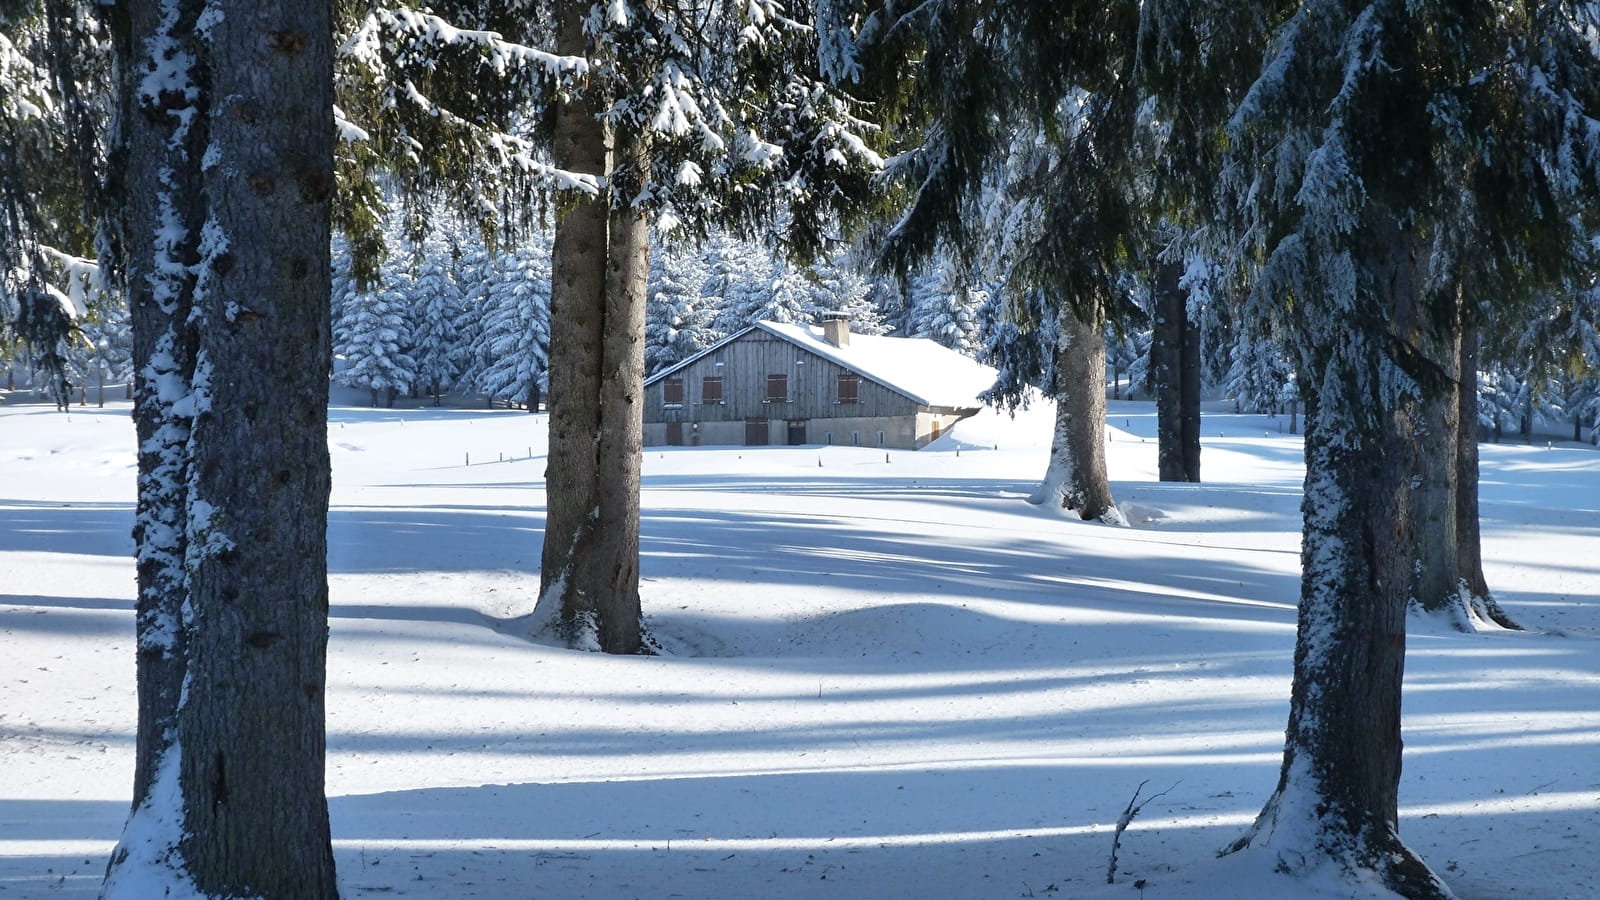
(836,328)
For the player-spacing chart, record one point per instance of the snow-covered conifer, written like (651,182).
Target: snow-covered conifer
(373,335)
(512,345)
(678,315)
(1377,196)
(436,312)
(944,307)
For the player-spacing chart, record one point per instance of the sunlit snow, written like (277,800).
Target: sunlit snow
(888,675)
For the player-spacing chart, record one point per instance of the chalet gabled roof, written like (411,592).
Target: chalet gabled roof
(925,371)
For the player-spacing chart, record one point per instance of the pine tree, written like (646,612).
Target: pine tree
(436,306)
(1261,377)
(53,115)
(373,336)
(1020,116)
(1376,196)
(743,278)
(944,307)
(835,285)
(513,342)
(719,114)
(678,319)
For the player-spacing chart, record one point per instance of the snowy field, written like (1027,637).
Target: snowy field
(888,675)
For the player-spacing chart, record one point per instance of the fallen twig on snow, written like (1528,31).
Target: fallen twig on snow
(1134,806)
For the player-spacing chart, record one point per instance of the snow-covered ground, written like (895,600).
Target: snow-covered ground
(889,676)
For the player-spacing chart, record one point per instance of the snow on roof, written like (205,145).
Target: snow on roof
(924,370)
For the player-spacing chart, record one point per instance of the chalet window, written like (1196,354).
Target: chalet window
(711,389)
(849,388)
(672,391)
(777,389)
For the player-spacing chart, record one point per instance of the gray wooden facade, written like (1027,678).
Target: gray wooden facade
(812,407)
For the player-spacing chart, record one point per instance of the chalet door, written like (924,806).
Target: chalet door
(675,434)
(936,432)
(756,433)
(797,432)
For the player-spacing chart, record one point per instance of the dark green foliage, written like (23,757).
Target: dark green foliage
(52,119)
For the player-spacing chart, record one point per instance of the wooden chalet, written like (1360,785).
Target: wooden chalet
(776,383)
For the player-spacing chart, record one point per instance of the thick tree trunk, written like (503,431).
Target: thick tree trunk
(223,230)
(1075,478)
(577,327)
(1337,798)
(614,563)
(589,588)
(1448,577)
(1435,583)
(1175,377)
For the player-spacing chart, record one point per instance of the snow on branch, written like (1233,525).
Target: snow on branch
(513,152)
(427,30)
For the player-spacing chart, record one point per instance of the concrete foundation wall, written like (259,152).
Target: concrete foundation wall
(889,432)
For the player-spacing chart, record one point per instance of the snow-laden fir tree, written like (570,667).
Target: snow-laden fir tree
(717,114)
(741,279)
(512,344)
(1552,354)
(435,303)
(1392,170)
(1261,377)
(943,306)
(690,117)
(837,285)
(373,337)
(1127,359)
(1016,120)
(678,315)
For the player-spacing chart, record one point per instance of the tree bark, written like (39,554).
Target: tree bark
(589,577)
(1175,377)
(1189,400)
(1166,335)
(1075,478)
(614,566)
(1469,540)
(1338,791)
(1435,583)
(226,180)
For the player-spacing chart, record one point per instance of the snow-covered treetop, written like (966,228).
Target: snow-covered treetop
(1468,131)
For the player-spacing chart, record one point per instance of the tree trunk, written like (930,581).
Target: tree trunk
(1175,377)
(589,572)
(1338,791)
(1075,478)
(1189,396)
(1166,338)
(223,231)
(1469,541)
(614,564)
(1435,582)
